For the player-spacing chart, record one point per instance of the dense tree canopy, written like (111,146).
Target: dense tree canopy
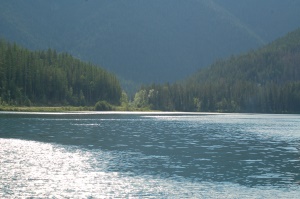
(51,78)
(266,80)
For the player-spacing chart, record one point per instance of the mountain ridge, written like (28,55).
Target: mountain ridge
(266,80)
(144,41)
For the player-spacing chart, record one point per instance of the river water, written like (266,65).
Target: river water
(149,155)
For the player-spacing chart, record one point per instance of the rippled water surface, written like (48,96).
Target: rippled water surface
(158,155)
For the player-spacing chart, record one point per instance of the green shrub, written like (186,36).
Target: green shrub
(103,106)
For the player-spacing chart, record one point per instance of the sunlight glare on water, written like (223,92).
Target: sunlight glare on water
(149,156)
(33,169)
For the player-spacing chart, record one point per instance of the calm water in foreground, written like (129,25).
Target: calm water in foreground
(155,155)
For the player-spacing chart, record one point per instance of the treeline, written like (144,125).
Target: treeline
(265,81)
(49,78)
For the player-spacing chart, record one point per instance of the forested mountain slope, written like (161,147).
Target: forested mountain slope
(49,78)
(147,40)
(266,80)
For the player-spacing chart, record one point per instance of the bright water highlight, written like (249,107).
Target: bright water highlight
(149,155)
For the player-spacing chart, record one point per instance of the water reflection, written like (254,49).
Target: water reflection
(154,155)
(32,169)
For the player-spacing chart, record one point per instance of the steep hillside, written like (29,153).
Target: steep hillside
(142,40)
(276,62)
(49,78)
(266,80)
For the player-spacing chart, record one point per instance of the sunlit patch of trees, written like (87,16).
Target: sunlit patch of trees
(265,81)
(51,78)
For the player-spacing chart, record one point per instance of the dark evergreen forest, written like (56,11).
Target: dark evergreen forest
(50,78)
(266,81)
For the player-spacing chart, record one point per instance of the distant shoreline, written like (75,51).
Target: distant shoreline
(116,110)
(69,109)
(89,110)
(44,108)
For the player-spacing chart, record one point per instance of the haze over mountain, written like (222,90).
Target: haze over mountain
(266,80)
(148,40)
